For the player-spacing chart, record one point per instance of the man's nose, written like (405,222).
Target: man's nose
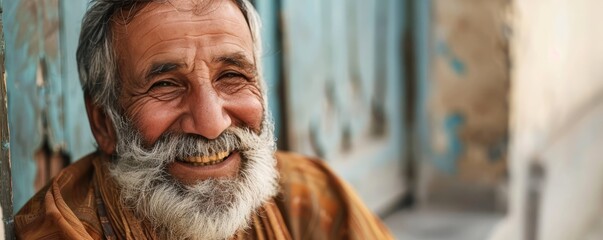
(206,114)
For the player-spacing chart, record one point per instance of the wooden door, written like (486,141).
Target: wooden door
(6,196)
(343,87)
(47,119)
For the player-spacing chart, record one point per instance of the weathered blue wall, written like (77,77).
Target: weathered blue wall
(78,137)
(30,45)
(44,98)
(272,55)
(6,195)
(344,83)
(421,36)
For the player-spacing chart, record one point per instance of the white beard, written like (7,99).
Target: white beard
(210,209)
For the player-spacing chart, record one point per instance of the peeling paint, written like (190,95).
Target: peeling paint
(455,63)
(344,89)
(34,85)
(447,160)
(463,109)
(458,66)
(470,83)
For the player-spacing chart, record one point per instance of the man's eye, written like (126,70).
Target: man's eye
(232,75)
(162,84)
(165,90)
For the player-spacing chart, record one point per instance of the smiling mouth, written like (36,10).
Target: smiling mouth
(206,160)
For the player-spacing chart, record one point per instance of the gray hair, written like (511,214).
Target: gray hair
(96,56)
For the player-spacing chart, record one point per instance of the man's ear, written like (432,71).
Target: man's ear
(101,126)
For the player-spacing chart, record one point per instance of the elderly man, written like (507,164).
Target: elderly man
(177,106)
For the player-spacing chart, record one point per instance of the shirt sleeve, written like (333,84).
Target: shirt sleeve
(317,204)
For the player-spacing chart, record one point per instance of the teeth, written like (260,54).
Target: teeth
(204,164)
(206,160)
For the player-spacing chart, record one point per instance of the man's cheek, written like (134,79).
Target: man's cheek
(152,121)
(248,109)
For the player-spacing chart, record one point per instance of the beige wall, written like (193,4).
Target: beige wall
(467,105)
(556,118)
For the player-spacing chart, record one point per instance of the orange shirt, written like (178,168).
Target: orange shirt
(313,203)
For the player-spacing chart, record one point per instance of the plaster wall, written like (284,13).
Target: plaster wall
(556,115)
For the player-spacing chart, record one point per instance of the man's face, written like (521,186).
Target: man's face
(194,154)
(189,69)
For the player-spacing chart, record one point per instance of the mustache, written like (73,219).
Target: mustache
(191,145)
(171,145)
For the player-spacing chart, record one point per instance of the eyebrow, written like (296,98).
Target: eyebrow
(157,69)
(236,59)
(233,59)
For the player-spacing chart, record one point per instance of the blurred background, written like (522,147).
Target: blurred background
(453,119)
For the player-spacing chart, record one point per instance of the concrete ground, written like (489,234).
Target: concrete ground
(441,224)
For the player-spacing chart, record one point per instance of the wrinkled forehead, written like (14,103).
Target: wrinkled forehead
(131,10)
(158,25)
(195,6)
